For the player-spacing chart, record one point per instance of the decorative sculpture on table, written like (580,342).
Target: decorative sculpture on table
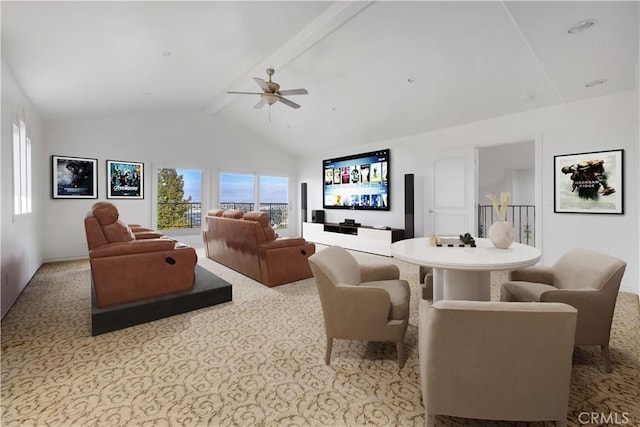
(465,240)
(501,232)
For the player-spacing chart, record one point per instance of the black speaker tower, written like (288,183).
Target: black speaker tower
(303,204)
(409,206)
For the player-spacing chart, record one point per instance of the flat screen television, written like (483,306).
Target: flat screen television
(359,181)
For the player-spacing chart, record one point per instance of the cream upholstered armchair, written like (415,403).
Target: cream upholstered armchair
(585,279)
(496,360)
(360,302)
(425,278)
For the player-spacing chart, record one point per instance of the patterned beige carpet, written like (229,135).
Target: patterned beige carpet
(257,361)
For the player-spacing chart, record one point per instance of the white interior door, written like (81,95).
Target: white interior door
(452,202)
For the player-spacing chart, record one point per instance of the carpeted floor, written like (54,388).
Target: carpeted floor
(258,360)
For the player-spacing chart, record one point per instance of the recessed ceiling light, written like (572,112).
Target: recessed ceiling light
(581,26)
(146,93)
(596,83)
(166,53)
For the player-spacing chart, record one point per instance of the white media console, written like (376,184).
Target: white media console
(359,238)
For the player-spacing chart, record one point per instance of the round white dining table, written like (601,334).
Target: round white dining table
(464,273)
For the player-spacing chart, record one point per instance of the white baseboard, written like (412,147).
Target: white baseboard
(67,258)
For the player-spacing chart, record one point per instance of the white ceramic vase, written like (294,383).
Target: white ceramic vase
(501,234)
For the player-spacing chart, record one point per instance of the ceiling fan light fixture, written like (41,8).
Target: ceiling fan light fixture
(581,26)
(270,98)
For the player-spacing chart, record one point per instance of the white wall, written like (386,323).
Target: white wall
(185,138)
(524,186)
(608,122)
(507,168)
(519,183)
(21,237)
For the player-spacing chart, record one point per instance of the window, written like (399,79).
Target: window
(21,169)
(274,199)
(179,198)
(238,191)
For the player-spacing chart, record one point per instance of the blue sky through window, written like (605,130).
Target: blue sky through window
(192,184)
(274,189)
(236,188)
(239,188)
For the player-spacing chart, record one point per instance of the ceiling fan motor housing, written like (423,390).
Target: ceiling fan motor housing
(273,86)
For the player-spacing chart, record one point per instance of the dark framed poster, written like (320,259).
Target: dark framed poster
(74,177)
(589,182)
(125,180)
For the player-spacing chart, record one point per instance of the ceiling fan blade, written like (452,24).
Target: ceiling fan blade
(259,104)
(262,84)
(289,103)
(294,92)
(246,93)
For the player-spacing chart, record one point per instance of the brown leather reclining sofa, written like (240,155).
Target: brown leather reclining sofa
(132,263)
(246,243)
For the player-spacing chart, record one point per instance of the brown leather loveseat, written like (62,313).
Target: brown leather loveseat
(131,263)
(246,243)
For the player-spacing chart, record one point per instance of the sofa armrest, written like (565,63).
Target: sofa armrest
(364,306)
(284,261)
(595,313)
(147,234)
(132,247)
(375,272)
(560,293)
(585,300)
(138,227)
(282,242)
(536,274)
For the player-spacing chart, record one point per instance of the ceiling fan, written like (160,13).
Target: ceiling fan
(272,92)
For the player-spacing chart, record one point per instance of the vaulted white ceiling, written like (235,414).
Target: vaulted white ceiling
(469,61)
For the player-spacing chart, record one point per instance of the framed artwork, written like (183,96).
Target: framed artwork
(125,180)
(589,182)
(74,177)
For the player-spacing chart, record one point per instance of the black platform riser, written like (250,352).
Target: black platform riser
(208,290)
